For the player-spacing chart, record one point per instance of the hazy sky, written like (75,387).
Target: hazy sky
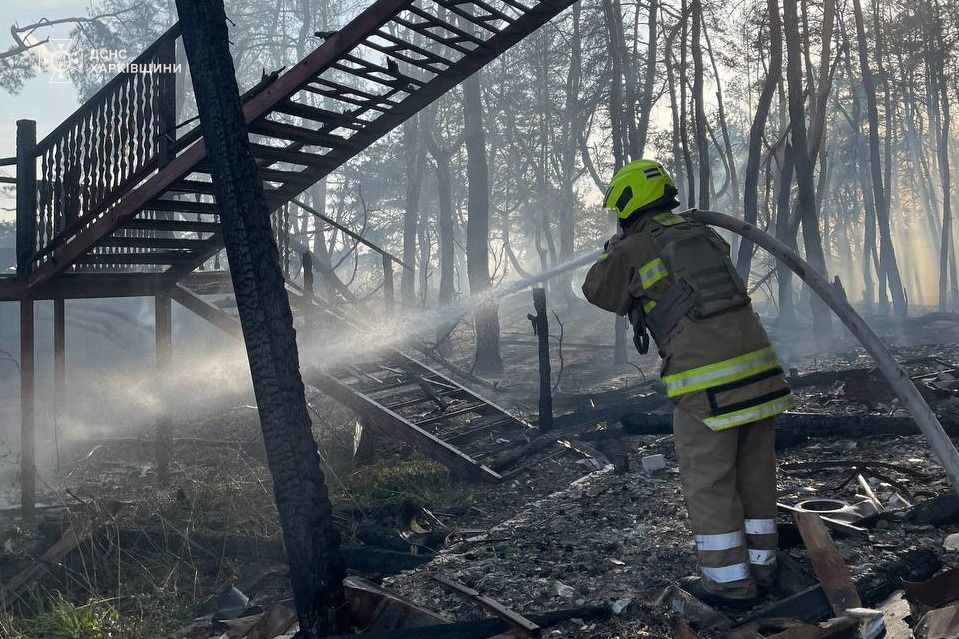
(47,103)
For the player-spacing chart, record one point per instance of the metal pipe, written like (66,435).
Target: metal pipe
(945,451)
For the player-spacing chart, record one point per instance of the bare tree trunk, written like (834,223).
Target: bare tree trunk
(302,501)
(724,127)
(942,149)
(887,253)
(426,249)
(808,211)
(619,140)
(786,234)
(702,141)
(674,110)
(486,317)
(773,77)
(444,193)
(646,100)
(683,113)
(415,164)
(572,131)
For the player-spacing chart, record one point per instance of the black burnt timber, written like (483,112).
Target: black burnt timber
(185,226)
(469,408)
(184,206)
(478,20)
(485,628)
(430,21)
(427,61)
(283,177)
(811,604)
(520,623)
(369,70)
(158,258)
(794,428)
(193,187)
(293,133)
(326,117)
(289,154)
(341,92)
(152,242)
(494,13)
(89,286)
(212,245)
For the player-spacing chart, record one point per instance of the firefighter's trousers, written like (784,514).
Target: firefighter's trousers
(729,478)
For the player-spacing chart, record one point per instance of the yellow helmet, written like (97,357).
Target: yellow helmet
(640,186)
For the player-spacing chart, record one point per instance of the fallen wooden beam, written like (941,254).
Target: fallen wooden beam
(874,587)
(486,628)
(526,627)
(827,563)
(793,429)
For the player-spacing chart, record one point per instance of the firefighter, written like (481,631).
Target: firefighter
(674,279)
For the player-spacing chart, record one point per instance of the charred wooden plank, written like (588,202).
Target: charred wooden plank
(186,226)
(317,114)
(811,605)
(294,133)
(827,563)
(523,625)
(485,628)
(152,242)
(184,206)
(285,154)
(157,258)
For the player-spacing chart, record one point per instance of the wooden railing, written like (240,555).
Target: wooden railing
(114,140)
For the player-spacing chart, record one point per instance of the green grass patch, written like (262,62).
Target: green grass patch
(419,479)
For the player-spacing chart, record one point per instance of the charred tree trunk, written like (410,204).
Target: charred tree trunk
(302,501)
(887,253)
(487,358)
(540,323)
(773,77)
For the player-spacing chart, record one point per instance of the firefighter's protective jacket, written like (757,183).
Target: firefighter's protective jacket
(675,276)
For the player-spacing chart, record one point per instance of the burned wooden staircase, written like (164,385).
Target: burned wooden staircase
(398,396)
(115,191)
(118,200)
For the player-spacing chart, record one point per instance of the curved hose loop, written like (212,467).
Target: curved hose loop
(945,451)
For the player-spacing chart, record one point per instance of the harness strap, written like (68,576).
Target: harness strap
(674,305)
